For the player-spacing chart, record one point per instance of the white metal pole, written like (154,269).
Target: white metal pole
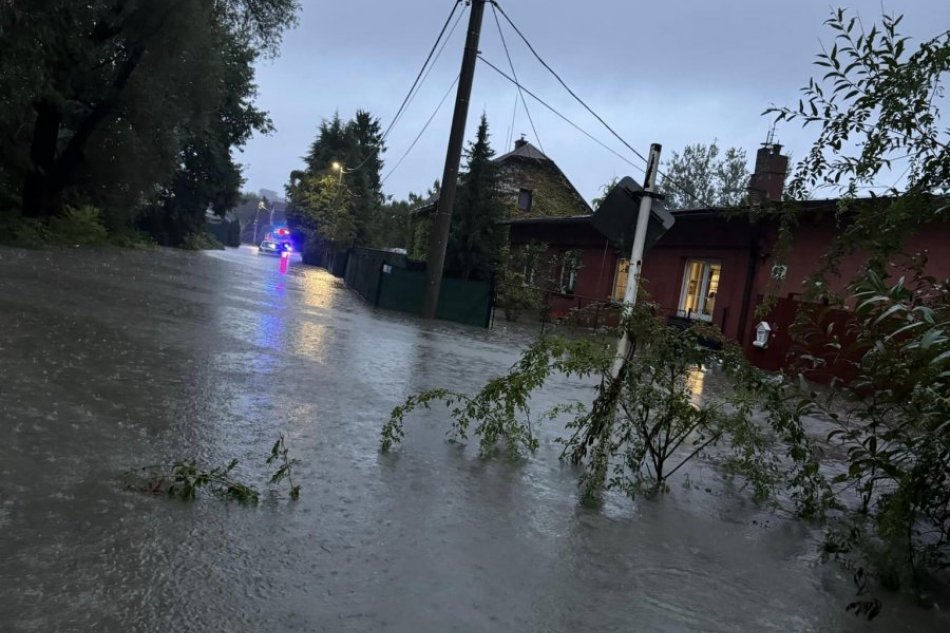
(636,254)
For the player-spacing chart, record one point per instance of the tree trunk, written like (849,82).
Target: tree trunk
(39,198)
(51,171)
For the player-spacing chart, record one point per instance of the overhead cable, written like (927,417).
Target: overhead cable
(514,74)
(424,128)
(559,115)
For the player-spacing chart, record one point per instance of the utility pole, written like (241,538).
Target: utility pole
(636,254)
(439,238)
(605,404)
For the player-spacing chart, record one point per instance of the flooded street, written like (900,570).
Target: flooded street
(114,360)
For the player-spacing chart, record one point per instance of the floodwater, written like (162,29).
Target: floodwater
(114,360)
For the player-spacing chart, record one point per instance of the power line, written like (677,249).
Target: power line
(514,117)
(424,128)
(561,116)
(514,74)
(561,81)
(438,55)
(666,178)
(422,70)
(415,84)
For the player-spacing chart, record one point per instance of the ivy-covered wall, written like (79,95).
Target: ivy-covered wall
(553,195)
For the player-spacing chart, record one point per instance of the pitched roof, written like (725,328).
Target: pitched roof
(570,219)
(524,149)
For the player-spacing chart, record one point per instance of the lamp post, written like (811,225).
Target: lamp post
(338,166)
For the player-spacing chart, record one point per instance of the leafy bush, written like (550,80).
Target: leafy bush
(23,232)
(129,238)
(893,423)
(78,226)
(201,242)
(647,423)
(82,226)
(653,419)
(185,479)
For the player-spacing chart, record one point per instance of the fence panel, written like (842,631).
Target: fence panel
(467,302)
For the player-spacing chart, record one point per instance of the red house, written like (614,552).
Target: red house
(716,265)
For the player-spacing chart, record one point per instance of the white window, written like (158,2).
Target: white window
(700,287)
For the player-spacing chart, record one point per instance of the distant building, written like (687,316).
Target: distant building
(531,185)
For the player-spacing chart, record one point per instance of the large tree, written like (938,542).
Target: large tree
(104,101)
(703,175)
(475,237)
(338,198)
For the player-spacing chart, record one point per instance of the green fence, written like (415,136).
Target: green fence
(385,280)
(228,232)
(364,270)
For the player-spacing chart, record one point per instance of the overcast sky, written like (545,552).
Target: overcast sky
(673,72)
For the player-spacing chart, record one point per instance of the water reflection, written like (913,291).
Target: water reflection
(319,288)
(428,538)
(695,383)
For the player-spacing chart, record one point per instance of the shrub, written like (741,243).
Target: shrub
(646,424)
(201,242)
(78,226)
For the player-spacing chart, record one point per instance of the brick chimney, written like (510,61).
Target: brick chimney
(521,142)
(768,181)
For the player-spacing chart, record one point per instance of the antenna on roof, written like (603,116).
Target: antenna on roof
(770,137)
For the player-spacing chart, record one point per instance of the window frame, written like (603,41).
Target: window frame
(530,197)
(570,266)
(702,294)
(617,294)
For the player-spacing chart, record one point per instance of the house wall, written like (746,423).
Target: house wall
(553,195)
(814,236)
(746,254)
(730,243)
(598,261)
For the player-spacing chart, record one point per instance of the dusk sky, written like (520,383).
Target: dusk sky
(672,72)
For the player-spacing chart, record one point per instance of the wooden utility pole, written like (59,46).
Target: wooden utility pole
(439,237)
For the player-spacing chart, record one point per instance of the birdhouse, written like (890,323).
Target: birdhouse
(762,333)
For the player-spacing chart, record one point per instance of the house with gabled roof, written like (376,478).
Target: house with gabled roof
(532,186)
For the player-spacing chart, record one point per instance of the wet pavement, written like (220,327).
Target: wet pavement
(114,360)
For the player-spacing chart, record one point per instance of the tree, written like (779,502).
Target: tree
(207,176)
(391,225)
(475,236)
(320,208)
(701,177)
(660,425)
(79,117)
(604,191)
(344,159)
(877,108)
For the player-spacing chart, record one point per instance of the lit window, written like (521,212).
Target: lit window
(620,279)
(700,287)
(525,198)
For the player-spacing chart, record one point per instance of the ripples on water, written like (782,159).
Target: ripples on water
(117,359)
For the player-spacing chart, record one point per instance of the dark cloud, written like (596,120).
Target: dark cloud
(675,72)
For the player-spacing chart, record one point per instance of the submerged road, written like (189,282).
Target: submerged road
(118,359)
